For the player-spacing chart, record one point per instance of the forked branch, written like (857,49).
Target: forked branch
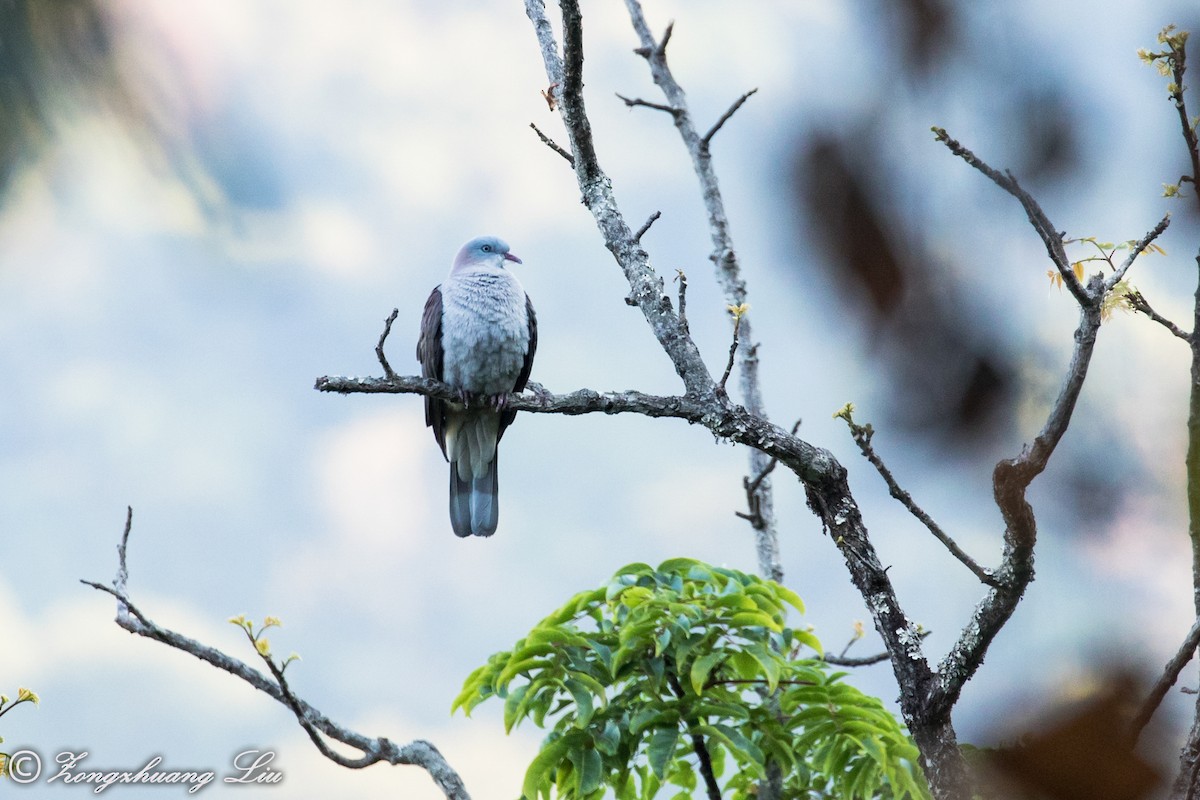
(374,750)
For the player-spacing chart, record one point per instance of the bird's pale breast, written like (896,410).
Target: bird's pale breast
(485,331)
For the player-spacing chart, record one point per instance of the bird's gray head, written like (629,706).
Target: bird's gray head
(486,251)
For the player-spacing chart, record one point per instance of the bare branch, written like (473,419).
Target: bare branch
(633,102)
(1119,273)
(1138,301)
(682,278)
(707,138)
(546,140)
(597,195)
(417,753)
(581,401)
(387,329)
(862,435)
(1052,239)
(1165,682)
(1010,479)
(842,660)
(725,262)
(646,226)
(733,348)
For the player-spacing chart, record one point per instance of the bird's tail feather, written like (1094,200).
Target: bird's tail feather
(460,502)
(474,501)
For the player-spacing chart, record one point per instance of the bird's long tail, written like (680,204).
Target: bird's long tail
(474,484)
(475,501)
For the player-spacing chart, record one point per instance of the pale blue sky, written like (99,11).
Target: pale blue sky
(161,343)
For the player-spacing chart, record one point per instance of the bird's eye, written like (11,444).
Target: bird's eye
(487,248)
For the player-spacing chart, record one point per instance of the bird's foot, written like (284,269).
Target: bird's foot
(497,401)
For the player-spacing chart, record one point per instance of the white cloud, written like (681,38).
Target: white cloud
(370,475)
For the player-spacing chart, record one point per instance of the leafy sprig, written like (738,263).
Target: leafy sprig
(689,673)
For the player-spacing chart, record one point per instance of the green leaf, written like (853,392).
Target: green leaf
(748,754)
(748,619)
(789,597)
(512,703)
(583,702)
(538,775)
(523,667)
(608,740)
(652,716)
(661,749)
(745,666)
(589,770)
(701,668)
(771,663)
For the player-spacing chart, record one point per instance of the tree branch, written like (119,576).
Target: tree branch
(1138,302)
(1138,248)
(733,348)
(712,788)
(707,138)
(1165,682)
(633,102)
(1011,478)
(417,753)
(597,195)
(725,261)
(1052,239)
(862,435)
(546,140)
(387,330)
(646,226)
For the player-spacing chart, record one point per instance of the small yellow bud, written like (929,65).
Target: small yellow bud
(272,622)
(739,310)
(263,646)
(844,412)
(858,629)
(24,695)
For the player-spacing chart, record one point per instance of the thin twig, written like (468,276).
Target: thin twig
(1052,239)
(737,324)
(546,140)
(387,329)
(702,755)
(631,102)
(418,753)
(707,138)
(1165,682)
(1135,251)
(637,237)
(727,267)
(293,702)
(682,278)
(1138,302)
(651,48)
(862,435)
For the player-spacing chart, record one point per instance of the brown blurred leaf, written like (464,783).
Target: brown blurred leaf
(1085,756)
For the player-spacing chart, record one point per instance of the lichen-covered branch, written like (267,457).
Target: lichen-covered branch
(1012,477)
(565,69)
(374,750)
(724,258)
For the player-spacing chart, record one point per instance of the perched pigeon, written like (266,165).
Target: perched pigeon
(478,334)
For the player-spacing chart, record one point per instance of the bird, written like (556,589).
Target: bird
(479,335)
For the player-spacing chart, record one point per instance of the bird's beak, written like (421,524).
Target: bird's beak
(511,257)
